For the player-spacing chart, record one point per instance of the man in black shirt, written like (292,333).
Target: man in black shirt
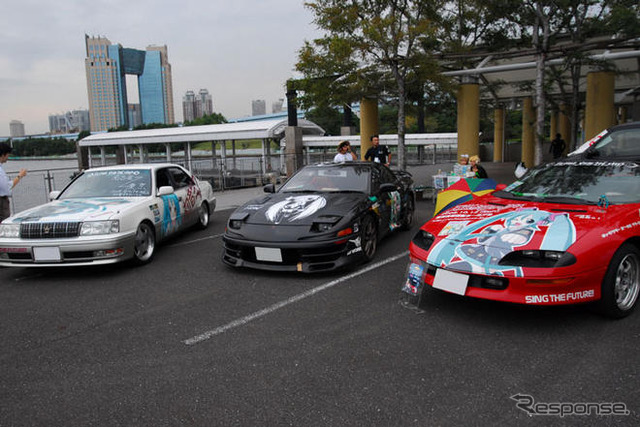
(378,153)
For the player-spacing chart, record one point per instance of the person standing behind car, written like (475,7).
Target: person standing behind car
(6,184)
(557,146)
(378,153)
(345,154)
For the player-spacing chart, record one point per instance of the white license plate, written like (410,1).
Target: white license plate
(450,281)
(268,254)
(46,254)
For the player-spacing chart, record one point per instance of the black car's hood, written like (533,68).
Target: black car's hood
(299,208)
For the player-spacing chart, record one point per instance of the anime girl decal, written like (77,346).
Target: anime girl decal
(294,208)
(479,247)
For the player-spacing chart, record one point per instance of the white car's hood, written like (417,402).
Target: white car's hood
(70,210)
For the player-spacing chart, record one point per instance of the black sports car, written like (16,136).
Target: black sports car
(324,217)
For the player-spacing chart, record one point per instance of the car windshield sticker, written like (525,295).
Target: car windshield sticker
(172,217)
(294,208)
(479,247)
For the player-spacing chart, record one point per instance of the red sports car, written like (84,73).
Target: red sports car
(567,232)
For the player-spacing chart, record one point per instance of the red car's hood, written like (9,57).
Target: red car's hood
(475,236)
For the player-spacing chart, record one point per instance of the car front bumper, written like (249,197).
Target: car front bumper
(76,251)
(307,256)
(532,289)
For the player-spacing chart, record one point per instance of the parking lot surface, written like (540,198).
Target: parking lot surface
(188,341)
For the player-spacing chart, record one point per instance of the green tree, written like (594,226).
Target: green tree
(370,48)
(211,119)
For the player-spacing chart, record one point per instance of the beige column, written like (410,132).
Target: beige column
(368,123)
(528,132)
(468,117)
(599,109)
(498,134)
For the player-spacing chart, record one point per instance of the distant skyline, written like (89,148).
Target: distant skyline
(239,51)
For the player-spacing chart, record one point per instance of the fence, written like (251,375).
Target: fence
(223,173)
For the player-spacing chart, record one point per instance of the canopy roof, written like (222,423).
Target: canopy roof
(265,129)
(506,76)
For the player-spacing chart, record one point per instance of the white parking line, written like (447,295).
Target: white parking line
(188,242)
(253,316)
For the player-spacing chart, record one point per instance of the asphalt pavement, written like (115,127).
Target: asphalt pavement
(188,341)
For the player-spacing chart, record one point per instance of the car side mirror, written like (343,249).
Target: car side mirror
(165,190)
(269,188)
(54,194)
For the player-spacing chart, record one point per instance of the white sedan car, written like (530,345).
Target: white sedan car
(106,215)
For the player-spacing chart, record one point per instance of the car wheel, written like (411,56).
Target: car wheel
(407,222)
(203,216)
(621,283)
(369,237)
(145,244)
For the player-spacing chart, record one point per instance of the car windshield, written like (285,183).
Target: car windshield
(622,142)
(110,183)
(580,182)
(329,179)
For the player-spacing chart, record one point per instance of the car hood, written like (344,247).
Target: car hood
(298,208)
(476,235)
(69,210)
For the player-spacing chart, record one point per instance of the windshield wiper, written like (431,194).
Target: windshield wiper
(301,191)
(515,196)
(568,200)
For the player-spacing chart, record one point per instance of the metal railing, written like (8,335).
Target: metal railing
(223,173)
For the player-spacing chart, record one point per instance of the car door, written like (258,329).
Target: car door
(188,193)
(389,198)
(169,213)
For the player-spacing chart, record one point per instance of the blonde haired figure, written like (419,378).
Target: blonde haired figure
(476,168)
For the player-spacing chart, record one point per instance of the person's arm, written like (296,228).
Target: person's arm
(388,158)
(16,180)
(353,155)
(367,154)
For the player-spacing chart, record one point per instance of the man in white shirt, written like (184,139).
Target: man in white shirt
(344,153)
(6,184)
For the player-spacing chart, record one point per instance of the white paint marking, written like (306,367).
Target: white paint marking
(244,320)
(188,242)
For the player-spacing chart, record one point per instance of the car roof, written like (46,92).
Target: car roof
(151,166)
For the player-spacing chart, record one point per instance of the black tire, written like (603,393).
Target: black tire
(145,244)
(621,283)
(407,221)
(369,237)
(203,216)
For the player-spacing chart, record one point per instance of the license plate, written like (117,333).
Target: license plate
(268,254)
(450,281)
(46,254)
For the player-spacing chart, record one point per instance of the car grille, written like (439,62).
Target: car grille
(49,230)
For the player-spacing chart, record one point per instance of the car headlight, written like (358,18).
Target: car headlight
(92,228)
(538,259)
(325,223)
(9,230)
(423,240)
(237,219)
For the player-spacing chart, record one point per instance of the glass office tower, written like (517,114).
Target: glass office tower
(107,66)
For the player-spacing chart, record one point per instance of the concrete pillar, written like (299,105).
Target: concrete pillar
(103,156)
(528,132)
(468,117)
(599,109)
(368,123)
(141,154)
(294,149)
(167,150)
(121,155)
(187,156)
(553,124)
(498,134)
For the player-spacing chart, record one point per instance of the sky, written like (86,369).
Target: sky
(239,50)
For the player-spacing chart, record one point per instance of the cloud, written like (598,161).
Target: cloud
(239,50)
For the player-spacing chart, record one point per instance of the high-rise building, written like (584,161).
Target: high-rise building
(194,106)
(258,107)
(71,121)
(108,64)
(278,106)
(16,128)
